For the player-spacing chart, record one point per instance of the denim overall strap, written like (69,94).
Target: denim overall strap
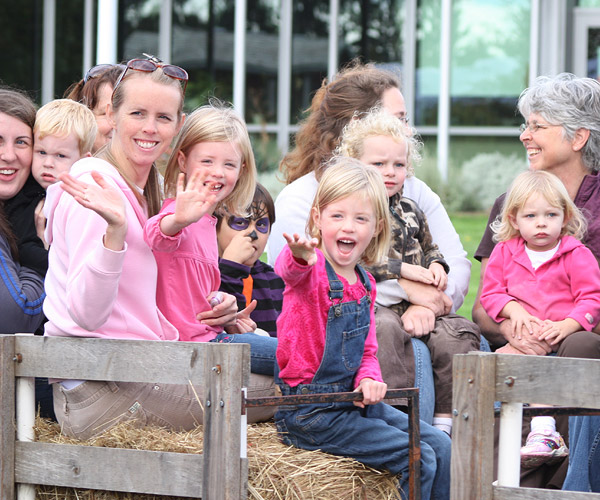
(347,328)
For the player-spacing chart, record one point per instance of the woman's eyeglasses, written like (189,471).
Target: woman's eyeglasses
(533,127)
(99,70)
(152,64)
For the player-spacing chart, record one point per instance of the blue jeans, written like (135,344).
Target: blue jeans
(424,380)
(262,350)
(376,435)
(584,454)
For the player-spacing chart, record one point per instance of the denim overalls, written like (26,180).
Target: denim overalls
(376,435)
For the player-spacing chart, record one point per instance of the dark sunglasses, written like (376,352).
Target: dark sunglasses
(152,64)
(100,69)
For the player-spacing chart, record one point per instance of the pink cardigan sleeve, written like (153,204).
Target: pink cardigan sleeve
(94,271)
(154,237)
(494,294)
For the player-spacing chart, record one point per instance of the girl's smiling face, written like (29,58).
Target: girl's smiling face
(347,226)
(221,162)
(16,152)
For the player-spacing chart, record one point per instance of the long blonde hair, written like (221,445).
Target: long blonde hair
(346,176)
(553,190)
(216,122)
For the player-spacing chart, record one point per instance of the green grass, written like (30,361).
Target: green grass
(470,227)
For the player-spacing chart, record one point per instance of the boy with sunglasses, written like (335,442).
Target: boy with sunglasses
(242,241)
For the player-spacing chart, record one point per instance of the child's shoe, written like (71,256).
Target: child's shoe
(543,447)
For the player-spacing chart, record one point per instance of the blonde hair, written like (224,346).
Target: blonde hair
(378,122)
(216,122)
(553,190)
(344,177)
(152,190)
(63,117)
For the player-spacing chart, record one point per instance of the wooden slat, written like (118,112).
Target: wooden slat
(548,380)
(7,418)
(504,493)
(472,427)
(222,425)
(118,360)
(111,469)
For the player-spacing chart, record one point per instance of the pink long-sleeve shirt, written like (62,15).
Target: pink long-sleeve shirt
(92,291)
(566,286)
(188,270)
(301,326)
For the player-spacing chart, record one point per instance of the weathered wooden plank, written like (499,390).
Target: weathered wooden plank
(111,469)
(505,493)
(472,427)
(222,425)
(543,379)
(7,418)
(118,360)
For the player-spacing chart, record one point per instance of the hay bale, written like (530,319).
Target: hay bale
(275,471)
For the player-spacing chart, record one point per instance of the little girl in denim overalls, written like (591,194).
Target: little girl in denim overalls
(327,340)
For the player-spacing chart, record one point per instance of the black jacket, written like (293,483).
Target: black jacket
(20,212)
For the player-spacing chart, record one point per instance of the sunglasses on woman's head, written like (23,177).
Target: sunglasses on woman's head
(100,69)
(152,64)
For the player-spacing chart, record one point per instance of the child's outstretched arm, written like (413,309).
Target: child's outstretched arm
(440,277)
(302,248)
(556,331)
(519,318)
(103,199)
(373,392)
(192,202)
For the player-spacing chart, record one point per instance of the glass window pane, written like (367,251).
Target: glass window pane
(593,53)
(262,58)
(310,46)
(69,46)
(371,30)
(21,42)
(203,45)
(489,65)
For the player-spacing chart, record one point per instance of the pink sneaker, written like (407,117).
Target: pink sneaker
(543,447)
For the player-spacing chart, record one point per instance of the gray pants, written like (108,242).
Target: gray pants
(93,407)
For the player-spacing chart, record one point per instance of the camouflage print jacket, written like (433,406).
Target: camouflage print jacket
(411,243)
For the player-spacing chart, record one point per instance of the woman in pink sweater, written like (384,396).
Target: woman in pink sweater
(102,276)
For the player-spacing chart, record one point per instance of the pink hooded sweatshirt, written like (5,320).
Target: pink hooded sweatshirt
(92,291)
